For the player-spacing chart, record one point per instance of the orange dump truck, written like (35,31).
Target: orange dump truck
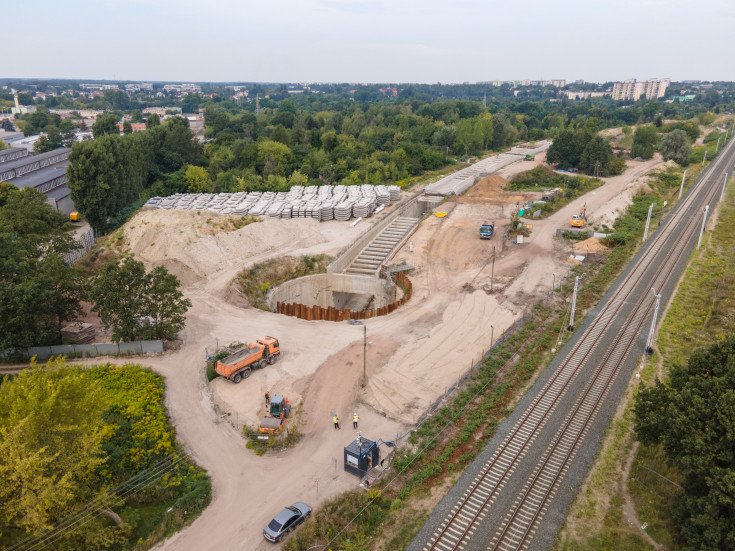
(256,355)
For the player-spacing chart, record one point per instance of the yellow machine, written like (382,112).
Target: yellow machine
(579,220)
(75,216)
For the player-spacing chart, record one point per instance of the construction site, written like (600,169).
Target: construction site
(411,299)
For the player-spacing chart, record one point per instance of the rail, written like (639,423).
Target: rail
(459,524)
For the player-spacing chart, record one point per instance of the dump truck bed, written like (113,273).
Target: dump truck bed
(240,355)
(272,425)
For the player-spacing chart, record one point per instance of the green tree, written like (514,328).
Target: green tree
(68,133)
(135,304)
(485,129)
(675,145)
(152,120)
(38,290)
(52,140)
(165,305)
(116,294)
(105,124)
(596,157)
(298,179)
(645,140)
(197,179)
(275,157)
(127,128)
(50,437)
(692,417)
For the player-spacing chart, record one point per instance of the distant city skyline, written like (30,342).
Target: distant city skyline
(372,41)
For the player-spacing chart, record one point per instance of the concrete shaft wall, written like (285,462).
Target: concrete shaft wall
(320,289)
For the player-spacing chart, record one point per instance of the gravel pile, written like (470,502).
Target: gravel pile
(319,202)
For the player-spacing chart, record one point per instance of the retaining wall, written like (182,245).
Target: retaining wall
(330,313)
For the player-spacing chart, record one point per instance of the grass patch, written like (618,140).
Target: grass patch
(256,281)
(289,437)
(701,313)
(544,178)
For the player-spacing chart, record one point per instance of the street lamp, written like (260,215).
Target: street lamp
(661,214)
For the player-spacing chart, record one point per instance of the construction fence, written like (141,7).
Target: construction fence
(313,313)
(86,242)
(90,350)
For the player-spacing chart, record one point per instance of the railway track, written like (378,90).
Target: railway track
(632,301)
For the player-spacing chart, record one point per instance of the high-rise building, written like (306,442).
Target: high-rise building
(653,88)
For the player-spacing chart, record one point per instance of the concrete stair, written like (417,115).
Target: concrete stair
(370,259)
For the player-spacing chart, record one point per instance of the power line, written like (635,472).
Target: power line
(83,515)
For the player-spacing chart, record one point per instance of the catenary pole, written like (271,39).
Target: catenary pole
(704,221)
(681,189)
(574,304)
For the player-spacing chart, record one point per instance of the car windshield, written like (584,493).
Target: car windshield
(275,526)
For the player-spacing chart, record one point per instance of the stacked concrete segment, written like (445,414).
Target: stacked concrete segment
(320,202)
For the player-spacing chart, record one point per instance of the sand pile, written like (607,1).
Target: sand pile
(491,190)
(193,246)
(591,245)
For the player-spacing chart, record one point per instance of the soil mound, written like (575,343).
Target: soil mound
(194,245)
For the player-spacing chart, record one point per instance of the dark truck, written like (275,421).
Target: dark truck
(486,230)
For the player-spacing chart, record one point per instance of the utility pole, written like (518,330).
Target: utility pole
(648,223)
(492,334)
(364,355)
(717,148)
(661,214)
(492,272)
(574,304)
(649,341)
(704,221)
(681,189)
(704,159)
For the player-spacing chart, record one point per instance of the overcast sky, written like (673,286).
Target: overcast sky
(368,40)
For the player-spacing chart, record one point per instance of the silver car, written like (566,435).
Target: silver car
(286,520)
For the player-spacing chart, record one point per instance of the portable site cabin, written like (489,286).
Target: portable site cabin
(361,455)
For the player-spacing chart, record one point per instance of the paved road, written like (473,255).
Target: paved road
(540,514)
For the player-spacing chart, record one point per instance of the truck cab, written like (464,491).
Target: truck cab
(486,230)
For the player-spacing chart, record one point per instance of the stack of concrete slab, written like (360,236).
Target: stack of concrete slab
(320,202)
(460,181)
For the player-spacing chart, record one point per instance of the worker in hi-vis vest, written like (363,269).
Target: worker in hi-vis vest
(336,422)
(355,419)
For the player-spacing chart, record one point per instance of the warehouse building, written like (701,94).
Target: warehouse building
(45,172)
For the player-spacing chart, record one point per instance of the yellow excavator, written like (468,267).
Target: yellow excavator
(579,219)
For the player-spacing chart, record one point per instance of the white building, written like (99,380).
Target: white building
(632,90)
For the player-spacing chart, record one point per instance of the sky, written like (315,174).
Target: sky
(381,41)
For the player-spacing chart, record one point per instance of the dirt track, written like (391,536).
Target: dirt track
(414,353)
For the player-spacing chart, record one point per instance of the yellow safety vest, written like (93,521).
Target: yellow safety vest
(336,419)
(355,418)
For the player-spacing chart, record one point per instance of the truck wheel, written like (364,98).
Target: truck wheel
(262,363)
(237,378)
(272,359)
(246,373)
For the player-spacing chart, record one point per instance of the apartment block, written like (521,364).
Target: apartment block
(632,90)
